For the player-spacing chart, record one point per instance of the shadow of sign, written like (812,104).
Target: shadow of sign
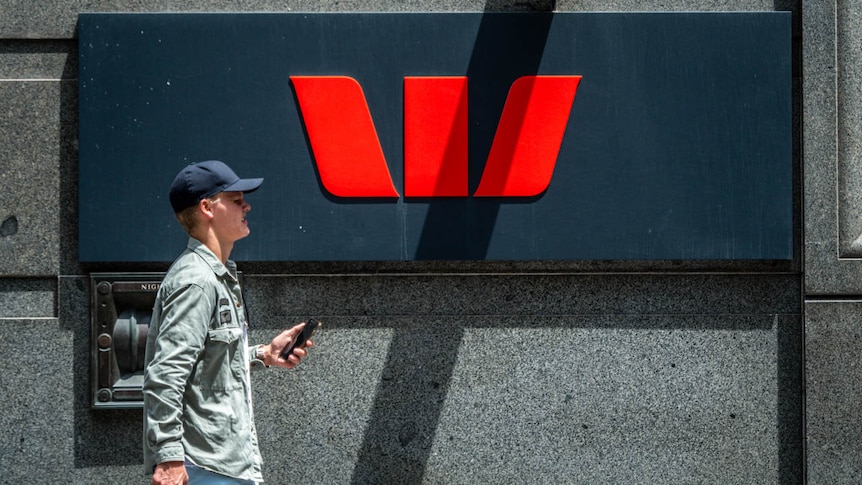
(418,369)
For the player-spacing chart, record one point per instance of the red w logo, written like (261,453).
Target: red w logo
(350,159)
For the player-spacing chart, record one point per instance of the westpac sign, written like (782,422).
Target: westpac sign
(351,163)
(444,136)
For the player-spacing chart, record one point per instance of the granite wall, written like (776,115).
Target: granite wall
(832,64)
(518,372)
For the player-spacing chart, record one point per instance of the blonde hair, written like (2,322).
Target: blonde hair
(188,217)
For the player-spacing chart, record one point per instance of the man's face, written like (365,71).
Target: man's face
(229,216)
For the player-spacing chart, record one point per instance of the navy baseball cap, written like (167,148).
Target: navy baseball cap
(206,179)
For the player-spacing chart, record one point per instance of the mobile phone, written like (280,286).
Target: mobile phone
(310,326)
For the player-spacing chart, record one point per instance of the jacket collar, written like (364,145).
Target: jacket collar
(210,258)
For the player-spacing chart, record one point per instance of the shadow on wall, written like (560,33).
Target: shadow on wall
(406,410)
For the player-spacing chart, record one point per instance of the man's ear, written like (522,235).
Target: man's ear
(206,208)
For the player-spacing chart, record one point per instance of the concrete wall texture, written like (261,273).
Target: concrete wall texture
(443,372)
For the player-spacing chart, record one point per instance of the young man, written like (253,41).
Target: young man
(198,418)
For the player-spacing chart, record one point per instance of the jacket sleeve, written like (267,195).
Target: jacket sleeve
(181,331)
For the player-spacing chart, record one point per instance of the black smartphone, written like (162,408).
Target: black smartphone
(310,326)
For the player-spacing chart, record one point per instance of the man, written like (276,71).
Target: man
(198,418)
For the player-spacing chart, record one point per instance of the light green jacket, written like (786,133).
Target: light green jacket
(197,389)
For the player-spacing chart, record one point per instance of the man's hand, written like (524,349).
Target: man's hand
(272,351)
(170,473)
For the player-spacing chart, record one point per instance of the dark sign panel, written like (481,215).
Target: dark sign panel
(461,136)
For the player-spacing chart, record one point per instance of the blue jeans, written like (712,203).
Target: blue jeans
(199,476)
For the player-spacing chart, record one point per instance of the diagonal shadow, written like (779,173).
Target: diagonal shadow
(410,396)
(502,53)
(400,432)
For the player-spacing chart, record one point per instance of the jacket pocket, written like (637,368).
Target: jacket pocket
(212,429)
(227,335)
(221,365)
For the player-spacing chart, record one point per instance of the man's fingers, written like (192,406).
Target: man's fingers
(296,330)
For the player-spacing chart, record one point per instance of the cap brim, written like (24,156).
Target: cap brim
(244,185)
